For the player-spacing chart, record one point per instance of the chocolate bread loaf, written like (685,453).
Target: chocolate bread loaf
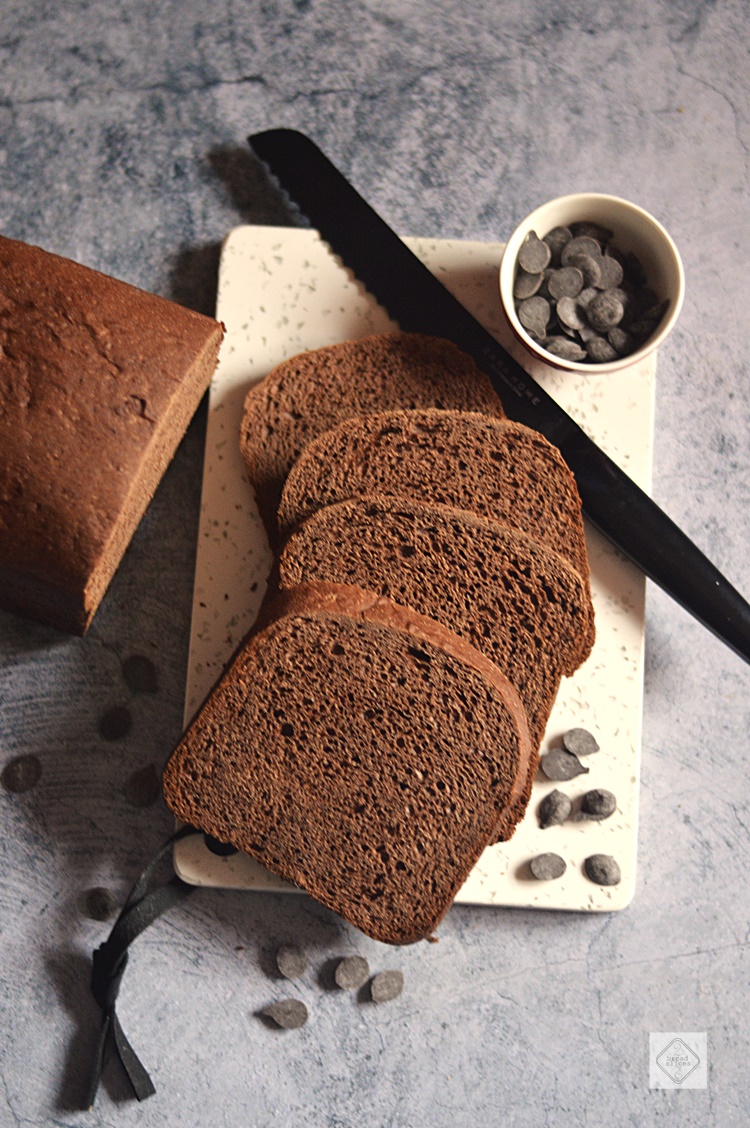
(516,601)
(359,750)
(98,382)
(314,391)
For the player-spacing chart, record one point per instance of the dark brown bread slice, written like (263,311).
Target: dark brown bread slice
(516,601)
(359,750)
(98,382)
(499,469)
(314,391)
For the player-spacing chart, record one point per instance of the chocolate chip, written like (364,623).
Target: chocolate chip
(571,313)
(556,240)
(221,849)
(21,774)
(599,350)
(554,809)
(610,272)
(579,245)
(588,266)
(559,764)
(593,230)
(602,870)
(565,349)
(386,985)
(116,723)
(291,961)
(352,972)
(580,742)
(534,255)
(597,804)
(526,285)
(289,1014)
(143,787)
(547,867)
(604,311)
(567,282)
(621,341)
(534,313)
(140,675)
(100,903)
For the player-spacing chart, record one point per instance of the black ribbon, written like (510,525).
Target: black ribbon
(110,960)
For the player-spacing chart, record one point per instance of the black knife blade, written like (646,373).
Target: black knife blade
(420,303)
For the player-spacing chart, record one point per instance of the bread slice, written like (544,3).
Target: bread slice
(98,382)
(314,391)
(499,469)
(359,750)
(517,602)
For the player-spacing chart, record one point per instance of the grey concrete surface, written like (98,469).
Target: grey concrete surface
(122,130)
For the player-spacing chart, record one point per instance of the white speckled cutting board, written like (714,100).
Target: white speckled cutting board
(281,291)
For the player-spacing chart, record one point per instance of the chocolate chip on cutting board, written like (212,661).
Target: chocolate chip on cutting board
(547,867)
(597,804)
(559,764)
(602,869)
(554,809)
(580,742)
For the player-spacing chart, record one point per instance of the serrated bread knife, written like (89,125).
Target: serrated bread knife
(414,297)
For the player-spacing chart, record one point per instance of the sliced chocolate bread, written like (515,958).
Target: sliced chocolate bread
(314,391)
(499,469)
(518,602)
(360,751)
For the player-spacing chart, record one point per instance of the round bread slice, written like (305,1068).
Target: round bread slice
(493,467)
(518,602)
(312,392)
(360,751)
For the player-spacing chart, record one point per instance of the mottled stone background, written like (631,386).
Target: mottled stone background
(122,130)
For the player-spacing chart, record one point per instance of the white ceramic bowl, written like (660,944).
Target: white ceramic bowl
(634,230)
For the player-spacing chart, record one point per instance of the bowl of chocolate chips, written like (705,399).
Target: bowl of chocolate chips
(591,282)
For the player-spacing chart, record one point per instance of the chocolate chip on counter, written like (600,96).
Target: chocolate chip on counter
(352,972)
(291,961)
(21,774)
(100,903)
(554,809)
(559,764)
(140,674)
(534,255)
(602,869)
(116,723)
(386,985)
(597,804)
(580,742)
(143,787)
(547,867)
(289,1014)
(221,849)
